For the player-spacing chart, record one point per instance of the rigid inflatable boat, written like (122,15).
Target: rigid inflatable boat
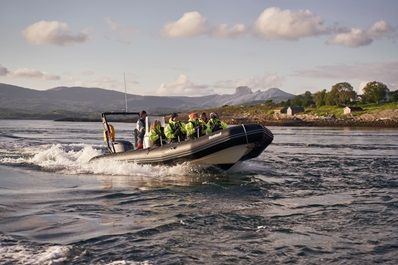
(221,149)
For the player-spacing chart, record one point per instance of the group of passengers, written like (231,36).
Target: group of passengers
(177,131)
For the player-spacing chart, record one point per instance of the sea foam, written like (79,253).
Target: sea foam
(19,254)
(75,159)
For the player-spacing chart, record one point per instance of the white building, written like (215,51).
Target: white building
(293,110)
(349,110)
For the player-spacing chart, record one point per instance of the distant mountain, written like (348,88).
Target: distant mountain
(14,99)
(244,95)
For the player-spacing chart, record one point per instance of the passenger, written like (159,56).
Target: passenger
(175,130)
(156,134)
(109,134)
(215,124)
(140,130)
(203,120)
(194,128)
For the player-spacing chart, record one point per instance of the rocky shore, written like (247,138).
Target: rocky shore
(384,119)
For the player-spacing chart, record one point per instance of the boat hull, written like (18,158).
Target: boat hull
(221,149)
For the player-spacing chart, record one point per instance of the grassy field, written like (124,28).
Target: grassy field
(338,111)
(326,111)
(379,107)
(267,109)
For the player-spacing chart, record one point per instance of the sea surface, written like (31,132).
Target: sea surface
(315,196)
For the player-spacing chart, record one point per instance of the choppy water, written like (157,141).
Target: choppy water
(316,195)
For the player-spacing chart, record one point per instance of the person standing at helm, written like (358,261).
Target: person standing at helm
(156,134)
(194,128)
(215,124)
(175,129)
(140,130)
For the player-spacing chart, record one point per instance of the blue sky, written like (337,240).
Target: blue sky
(198,47)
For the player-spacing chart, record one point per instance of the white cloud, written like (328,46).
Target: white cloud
(224,31)
(32,73)
(122,33)
(274,23)
(190,24)
(3,70)
(183,87)
(52,32)
(379,28)
(256,82)
(356,37)
(27,73)
(386,72)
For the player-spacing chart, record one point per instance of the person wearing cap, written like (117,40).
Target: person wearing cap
(175,129)
(156,134)
(140,130)
(215,124)
(193,127)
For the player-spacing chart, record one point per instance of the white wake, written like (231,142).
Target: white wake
(74,159)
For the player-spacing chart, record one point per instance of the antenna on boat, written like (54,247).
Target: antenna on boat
(125,90)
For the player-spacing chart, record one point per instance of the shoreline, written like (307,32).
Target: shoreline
(317,122)
(296,122)
(267,121)
(342,123)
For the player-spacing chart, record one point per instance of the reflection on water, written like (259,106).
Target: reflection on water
(142,182)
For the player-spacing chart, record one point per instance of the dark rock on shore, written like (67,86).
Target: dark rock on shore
(377,123)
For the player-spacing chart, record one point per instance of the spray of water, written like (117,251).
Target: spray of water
(74,159)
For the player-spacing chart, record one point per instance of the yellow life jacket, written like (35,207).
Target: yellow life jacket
(111,133)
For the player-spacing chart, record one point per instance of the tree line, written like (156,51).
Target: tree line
(343,94)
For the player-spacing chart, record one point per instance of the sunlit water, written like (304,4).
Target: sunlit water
(316,195)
